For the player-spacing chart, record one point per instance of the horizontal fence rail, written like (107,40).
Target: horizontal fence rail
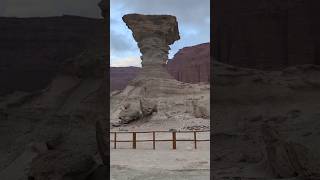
(174,139)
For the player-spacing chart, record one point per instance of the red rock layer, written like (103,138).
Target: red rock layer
(191,64)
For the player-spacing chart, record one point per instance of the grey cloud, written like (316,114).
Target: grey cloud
(113,21)
(190,12)
(192,16)
(120,43)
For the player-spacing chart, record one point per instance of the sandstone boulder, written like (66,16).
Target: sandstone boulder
(129,113)
(148,106)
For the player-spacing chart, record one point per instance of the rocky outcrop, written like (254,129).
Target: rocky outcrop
(268,35)
(154,95)
(129,113)
(154,34)
(148,106)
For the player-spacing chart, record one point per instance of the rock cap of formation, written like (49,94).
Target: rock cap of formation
(143,26)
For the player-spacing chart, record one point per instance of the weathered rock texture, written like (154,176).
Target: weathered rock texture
(268,34)
(154,34)
(129,113)
(148,106)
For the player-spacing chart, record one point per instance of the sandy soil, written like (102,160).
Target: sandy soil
(162,163)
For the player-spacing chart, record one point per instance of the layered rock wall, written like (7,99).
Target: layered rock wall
(191,64)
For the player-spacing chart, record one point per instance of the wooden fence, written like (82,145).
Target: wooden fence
(174,139)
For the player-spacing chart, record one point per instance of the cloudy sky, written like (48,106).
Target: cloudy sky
(193,17)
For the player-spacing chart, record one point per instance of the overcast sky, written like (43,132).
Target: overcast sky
(193,18)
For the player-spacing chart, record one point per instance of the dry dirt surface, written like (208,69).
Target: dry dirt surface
(162,163)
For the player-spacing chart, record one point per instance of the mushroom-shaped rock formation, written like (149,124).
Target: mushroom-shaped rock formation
(154,89)
(154,34)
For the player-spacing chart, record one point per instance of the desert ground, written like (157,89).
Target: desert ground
(174,112)
(162,163)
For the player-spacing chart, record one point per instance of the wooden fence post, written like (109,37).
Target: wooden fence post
(154,139)
(115,140)
(174,140)
(195,139)
(134,138)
